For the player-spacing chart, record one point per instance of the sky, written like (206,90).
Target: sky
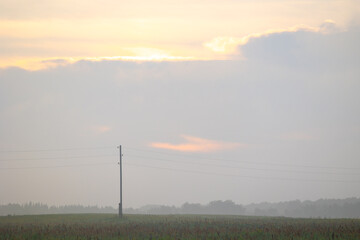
(250,101)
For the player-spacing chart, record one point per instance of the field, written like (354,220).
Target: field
(108,226)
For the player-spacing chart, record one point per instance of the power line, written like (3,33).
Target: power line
(159,159)
(54,150)
(181,170)
(184,156)
(164,160)
(247,162)
(244,176)
(169,160)
(241,167)
(60,166)
(55,158)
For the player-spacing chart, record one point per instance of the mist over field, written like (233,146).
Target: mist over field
(267,112)
(322,208)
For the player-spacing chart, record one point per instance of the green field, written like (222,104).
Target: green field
(108,226)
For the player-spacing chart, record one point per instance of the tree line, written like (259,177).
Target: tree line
(322,208)
(39,208)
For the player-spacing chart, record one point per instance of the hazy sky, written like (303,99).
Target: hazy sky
(211,100)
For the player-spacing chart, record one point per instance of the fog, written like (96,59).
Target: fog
(279,122)
(322,208)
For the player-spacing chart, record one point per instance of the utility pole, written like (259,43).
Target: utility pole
(120,203)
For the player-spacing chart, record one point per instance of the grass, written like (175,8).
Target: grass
(109,226)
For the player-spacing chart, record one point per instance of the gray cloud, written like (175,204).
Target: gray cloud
(298,84)
(306,49)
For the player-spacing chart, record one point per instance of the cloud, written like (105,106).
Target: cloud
(101,129)
(223,44)
(323,50)
(298,136)
(52,63)
(328,26)
(196,144)
(142,55)
(230,44)
(256,100)
(34,64)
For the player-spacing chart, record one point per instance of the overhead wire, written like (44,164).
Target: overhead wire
(172,154)
(241,167)
(244,176)
(53,149)
(247,162)
(169,160)
(55,158)
(60,166)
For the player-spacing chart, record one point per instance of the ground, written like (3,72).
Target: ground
(109,226)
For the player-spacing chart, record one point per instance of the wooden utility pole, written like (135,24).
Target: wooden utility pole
(120,203)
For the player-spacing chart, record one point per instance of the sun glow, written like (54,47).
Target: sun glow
(154,57)
(34,64)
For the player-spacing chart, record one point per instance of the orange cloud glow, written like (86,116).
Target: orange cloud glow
(196,144)
(101,129)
